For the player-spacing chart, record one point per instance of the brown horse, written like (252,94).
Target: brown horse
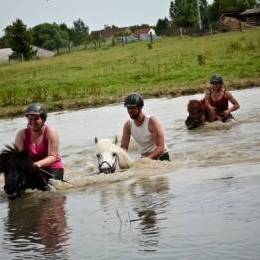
(199,113)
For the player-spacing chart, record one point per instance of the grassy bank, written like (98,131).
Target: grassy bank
(91,77)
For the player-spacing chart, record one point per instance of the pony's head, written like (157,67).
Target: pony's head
(197,116)
(19,172)
(14,164)
(106,155)
(110,155)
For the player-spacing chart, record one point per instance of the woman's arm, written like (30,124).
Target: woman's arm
(233,101)
(19,139)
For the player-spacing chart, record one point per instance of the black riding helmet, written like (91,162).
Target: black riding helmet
(216,79)
(36,109)
(134,100)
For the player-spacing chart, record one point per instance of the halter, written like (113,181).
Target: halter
(111,168)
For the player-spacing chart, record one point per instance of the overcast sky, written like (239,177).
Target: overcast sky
(94,13)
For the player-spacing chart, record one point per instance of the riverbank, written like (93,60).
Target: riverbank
(172,67)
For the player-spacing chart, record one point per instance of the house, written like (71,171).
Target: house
(231,21)
(144,33)
(238,20)
(251,16)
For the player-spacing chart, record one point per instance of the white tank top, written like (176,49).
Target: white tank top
(143,136)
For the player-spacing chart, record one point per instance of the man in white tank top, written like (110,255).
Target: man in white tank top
(147,131)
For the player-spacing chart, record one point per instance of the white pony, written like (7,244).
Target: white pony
(109,154)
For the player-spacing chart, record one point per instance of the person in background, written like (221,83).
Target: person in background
(146,130)
(41,141)
(217,100)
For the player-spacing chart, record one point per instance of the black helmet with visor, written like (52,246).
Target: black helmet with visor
(134,100)
(36,109)
(216,79)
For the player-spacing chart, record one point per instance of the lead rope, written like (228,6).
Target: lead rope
(42,170)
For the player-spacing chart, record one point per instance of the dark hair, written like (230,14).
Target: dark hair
(36,109)
(134,100)
(216,79)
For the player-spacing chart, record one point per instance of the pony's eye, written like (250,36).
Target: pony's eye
(113,154)
(98,155)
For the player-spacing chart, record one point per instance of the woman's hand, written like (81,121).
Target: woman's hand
(37,164)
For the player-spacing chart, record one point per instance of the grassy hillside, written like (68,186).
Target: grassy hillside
(92,77)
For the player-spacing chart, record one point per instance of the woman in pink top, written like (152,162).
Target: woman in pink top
(41,141)
(217,100)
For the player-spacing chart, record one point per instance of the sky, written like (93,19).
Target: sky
(94,13)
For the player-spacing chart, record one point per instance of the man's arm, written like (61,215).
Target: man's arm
(158,137)
(125,140)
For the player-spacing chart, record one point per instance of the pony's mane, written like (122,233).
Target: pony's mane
(124,159)
(11,154)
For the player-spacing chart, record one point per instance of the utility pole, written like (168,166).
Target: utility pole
(199,17)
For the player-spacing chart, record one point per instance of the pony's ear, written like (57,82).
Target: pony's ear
(96,140)
(115,140)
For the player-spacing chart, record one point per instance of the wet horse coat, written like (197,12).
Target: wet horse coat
(199,113)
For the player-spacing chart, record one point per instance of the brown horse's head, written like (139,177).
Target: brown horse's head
(197,114)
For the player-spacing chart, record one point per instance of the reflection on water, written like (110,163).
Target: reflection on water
(150,201)
(37,226)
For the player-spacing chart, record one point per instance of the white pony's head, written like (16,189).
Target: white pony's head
(110,155)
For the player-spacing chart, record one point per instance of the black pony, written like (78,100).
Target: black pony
(20,173)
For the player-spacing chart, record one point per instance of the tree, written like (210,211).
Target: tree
(183,12)
(204,13)
(236,5)
(214,11)
(19,39)
(79,32)
(163,27)
(3,42)
(50,36)
(65,28)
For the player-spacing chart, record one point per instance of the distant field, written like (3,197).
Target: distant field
(173,66)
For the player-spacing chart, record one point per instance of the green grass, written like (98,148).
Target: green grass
(93,77)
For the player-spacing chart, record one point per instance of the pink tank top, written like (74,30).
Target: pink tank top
(221,105)
(40,151)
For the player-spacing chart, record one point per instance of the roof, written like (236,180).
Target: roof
(111,31)
(142,30)
(251,11)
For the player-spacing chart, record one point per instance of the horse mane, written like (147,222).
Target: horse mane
(124,159)
(11,154)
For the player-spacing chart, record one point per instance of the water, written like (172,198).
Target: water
(204,204)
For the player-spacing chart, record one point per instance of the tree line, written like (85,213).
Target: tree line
(198,15)
(183,14)
(46,35)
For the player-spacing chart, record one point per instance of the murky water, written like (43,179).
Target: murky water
(204,204)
